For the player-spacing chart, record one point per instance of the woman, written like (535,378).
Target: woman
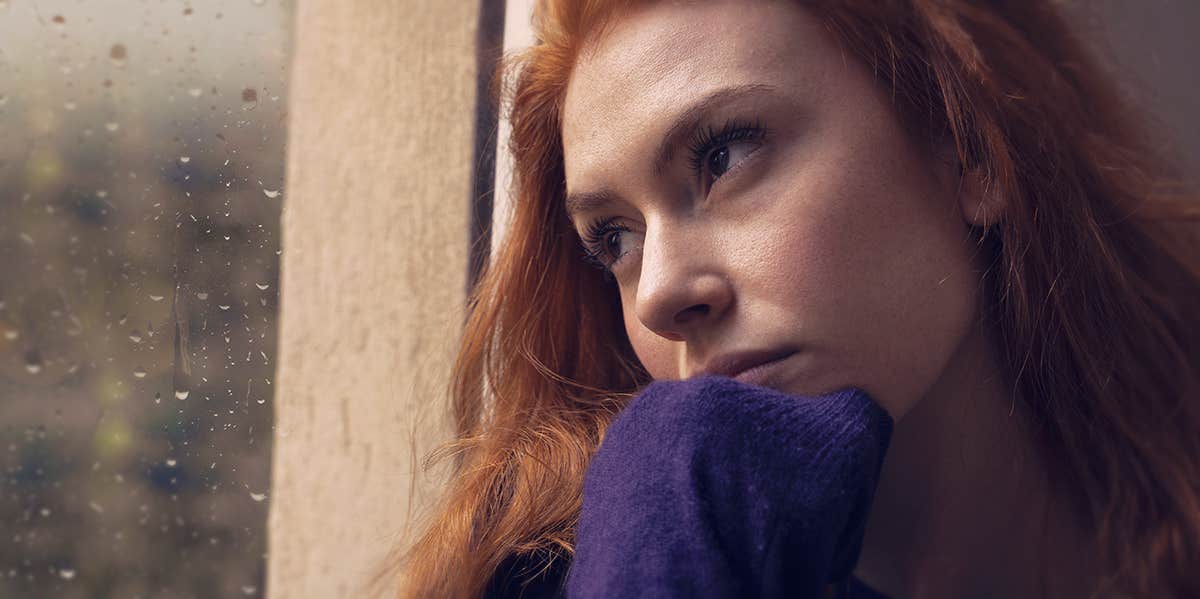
(941,203)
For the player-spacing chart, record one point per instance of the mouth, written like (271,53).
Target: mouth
(753,367)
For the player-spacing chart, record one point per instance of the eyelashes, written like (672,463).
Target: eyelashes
(706,139)
(595,243)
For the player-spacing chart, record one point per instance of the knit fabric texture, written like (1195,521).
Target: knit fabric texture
(709,487)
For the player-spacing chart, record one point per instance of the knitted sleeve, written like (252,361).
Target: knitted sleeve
(713,488)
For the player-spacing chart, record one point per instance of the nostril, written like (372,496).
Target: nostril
(692,313)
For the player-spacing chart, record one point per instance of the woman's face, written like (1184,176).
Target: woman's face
(749,186)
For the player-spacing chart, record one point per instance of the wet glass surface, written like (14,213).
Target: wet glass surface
(141,183)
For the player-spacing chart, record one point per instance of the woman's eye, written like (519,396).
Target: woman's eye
(724,157)
(715,152)
(613,244)
(606,243)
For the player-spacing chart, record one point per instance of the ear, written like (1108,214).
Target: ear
(978,199)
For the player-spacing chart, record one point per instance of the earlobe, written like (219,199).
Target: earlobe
(979,200)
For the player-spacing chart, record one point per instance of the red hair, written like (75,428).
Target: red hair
(1093,290)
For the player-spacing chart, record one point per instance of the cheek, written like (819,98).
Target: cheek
(874,272)
(660,356)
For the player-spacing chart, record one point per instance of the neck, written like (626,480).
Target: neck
(963,507)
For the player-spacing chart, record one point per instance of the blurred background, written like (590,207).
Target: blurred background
(141,183)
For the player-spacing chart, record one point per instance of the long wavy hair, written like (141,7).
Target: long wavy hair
(1093,290)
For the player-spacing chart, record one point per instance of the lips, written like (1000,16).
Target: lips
(736,363)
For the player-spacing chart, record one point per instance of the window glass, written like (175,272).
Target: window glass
(141,182)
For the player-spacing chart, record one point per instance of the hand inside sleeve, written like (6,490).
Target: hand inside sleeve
(710,487)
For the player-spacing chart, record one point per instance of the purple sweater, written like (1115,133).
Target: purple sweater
(710,487)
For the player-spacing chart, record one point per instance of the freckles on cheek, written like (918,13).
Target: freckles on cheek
(802,260)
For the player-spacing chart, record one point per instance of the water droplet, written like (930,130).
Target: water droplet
(135,337)
(139,372)
(112,126)
(171,462)
(103,193)
(258,496)
(157,397)
(223,306)
(157,298)
(66,573)
(185,159)
(271,193)
(33,368)
(181,394)
(249,95)
(249,589)
(118,54)
(200,295)
(261,400)
(262,286)
(11,334)
(195,92)
(58,19)
(70,105)
(45,512)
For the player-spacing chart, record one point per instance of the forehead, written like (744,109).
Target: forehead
(662,57)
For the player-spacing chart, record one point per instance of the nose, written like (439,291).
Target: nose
(681,287)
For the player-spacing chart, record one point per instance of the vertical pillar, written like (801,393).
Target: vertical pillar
(375,241)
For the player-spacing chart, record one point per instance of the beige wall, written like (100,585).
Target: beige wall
(373,272)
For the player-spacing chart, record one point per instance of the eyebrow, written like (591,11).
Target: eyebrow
(586,201)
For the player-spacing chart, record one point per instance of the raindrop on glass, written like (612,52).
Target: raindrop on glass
(139,372)
(157,298)
(181,394)
(200,295)
(11,334)
(112,126)
(262,286)
(258,496)
(171,462)
(271,193)
(185,159)
(66,573)
(195,92)
(135,337)
(249,590)
(118,54)
(223,306)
